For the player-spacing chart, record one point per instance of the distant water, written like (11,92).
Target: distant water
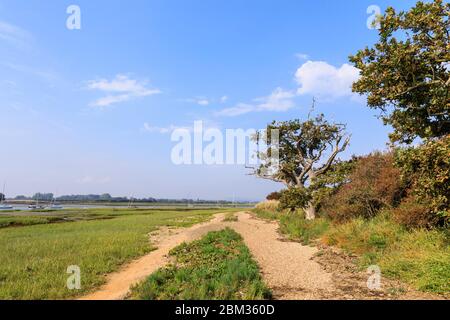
(23,207)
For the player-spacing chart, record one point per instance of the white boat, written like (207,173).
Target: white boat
(36,206)
(54,206)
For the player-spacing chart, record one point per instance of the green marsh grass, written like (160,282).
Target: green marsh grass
(34,258)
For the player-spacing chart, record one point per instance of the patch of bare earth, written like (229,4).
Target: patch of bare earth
(293,271)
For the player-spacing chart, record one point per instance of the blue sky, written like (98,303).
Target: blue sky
(90,110)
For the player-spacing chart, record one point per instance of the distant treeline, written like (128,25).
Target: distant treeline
(108,198)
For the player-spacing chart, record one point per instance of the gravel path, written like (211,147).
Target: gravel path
(291,270)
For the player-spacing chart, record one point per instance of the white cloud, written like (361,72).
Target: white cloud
(239,109)
(202,101)
(323,80)
(224,99)
(279,100)
(120,89)
(14,34)
(302,56)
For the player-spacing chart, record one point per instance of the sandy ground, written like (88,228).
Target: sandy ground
(291,270)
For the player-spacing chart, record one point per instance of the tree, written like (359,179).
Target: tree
(303,152)
(406,74)
(427,170)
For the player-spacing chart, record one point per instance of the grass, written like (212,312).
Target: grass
(34,258)
(230,217)
(420,258)
(217,267)
(267,214)
(298,228)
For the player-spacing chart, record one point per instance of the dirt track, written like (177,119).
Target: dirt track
(291,270)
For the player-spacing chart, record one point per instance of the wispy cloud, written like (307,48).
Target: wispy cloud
(202,101)
(205,101)
(14,35)
(43,74)
(120,89)
(279,100)
(326,81)
(302,56)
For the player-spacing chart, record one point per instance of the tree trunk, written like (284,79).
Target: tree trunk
(310,211)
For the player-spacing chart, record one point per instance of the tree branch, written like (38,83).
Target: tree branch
(336,151)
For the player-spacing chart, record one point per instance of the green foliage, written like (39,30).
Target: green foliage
(294,198)
(406,74)
(217,267)
(427,170)
(330,182)
(301,146)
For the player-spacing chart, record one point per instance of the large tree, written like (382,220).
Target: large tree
(303,152)
(406,73)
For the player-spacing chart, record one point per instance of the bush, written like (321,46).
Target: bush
(373,184)
(274,196)
(294,198)
(412,214)
(427,171)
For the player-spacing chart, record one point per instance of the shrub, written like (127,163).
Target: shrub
(412,214)
(427,170)
(373,184)
(274,196)
(294,198)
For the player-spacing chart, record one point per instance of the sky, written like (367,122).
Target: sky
(92,109)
